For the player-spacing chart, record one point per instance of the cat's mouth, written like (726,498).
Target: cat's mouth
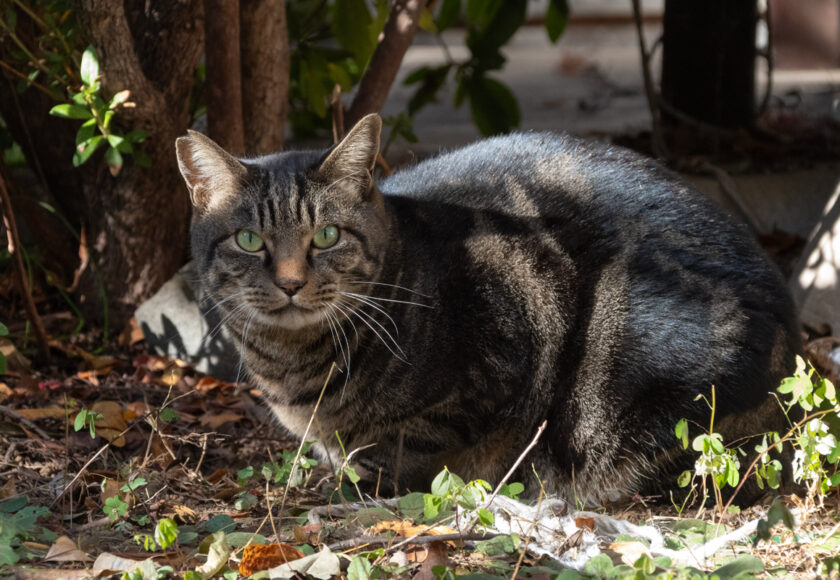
(292,316)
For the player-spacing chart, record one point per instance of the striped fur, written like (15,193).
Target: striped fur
(527,277)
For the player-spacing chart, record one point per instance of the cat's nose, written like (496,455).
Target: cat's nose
(290,287)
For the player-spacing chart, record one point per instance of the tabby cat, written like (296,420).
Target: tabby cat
(466,299)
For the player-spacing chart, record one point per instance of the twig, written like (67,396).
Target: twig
(516,463)
(385,62)
(13,240)
(657,141)
(729,189)
(528,535)
(297,456)
(382,540)
(11,413)
(337,114)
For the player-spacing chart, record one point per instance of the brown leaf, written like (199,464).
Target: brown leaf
(131,334)
(214,421)
(5,392)
(112,423)
(207,384)
(435,556)
(256,557)
(53,412)
(584,523)
(8,489)
(14,360)
(65,550)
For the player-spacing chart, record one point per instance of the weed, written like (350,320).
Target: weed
(89,418)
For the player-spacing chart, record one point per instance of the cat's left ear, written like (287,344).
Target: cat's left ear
(354,158)
(212,174)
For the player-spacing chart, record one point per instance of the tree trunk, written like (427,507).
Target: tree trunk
(136,223)
(224,76)
(385,62)
(708,60)
(265,74)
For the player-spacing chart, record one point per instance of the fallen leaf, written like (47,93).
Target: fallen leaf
(5,392)
(131,334)
(206,384)
(14,360)
(88,377)
(107,562)
(584,523)
(408,528)
(51,412)
(435,556)
(8,489)
(217,555)
(629,552)
(214,421)
(65,550)
(323,566)
(256,558)
(111,488)
(112,423)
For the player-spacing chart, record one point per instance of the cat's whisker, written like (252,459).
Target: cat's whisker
(332,331)
(337,304)
(220,302)
(336,323)
(386,299)
(375,307)
(389,285)
(237,309)
(360,315)
(244,340)
(346,356)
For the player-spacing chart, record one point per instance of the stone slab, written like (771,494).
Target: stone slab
(178,323)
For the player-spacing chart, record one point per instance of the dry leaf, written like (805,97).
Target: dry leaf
(584,523)
(5,392)
(14,360)
(207,384)
(111,488)
(65,550)
(256,557)
(131,334)
(214,421)
(8,489)
(408,528)
(629,552)
(435,556)
(112,423)
(53,411)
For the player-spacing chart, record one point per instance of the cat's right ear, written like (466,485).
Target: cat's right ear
(212,174)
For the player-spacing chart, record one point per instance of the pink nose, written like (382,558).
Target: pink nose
(290,287)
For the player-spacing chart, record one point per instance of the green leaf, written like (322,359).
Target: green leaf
(743,565)
(481,12)
(496,546)
(599,566)
(115,140)
(85,150)
(556,19)
(645,564)
(441,483)
(166,532)
(218,523)
(681,431)
(114,160)
(512,490)
(351,24)
(433,78)
(134,484)
(359,568)
(486,517)
(241,539)
(450,11)
(68,111)
(90,66)
(4,330)
(485,41)
(431,506)
(411,505)
(2,364)
(119,99)
(10,506)
(86,131)
(493,106)
(245,502)
(79,423)
(339,76)
(684,479)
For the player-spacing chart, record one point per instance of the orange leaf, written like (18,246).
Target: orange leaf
(53,411)
(256,557)
(585,523)
(215,421)
(112,423)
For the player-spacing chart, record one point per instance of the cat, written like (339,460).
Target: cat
(468,298)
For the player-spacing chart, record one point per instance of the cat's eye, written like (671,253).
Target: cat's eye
(325,238)
(249,241)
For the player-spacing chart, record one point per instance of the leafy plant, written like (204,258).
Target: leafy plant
(280,473)
(18,524)
(98,128)
(89,418)
(448,491)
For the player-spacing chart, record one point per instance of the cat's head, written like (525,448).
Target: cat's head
(278,238)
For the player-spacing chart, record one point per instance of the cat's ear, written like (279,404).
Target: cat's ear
(212,174)
(354,158)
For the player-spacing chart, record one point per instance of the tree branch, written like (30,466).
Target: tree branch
(385,62)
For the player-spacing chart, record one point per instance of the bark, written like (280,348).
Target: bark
(137,222)
(224,75)
(385,62)
(265,74)
(708,60)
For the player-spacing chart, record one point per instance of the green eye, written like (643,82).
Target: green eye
(249,241)
(325,238)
